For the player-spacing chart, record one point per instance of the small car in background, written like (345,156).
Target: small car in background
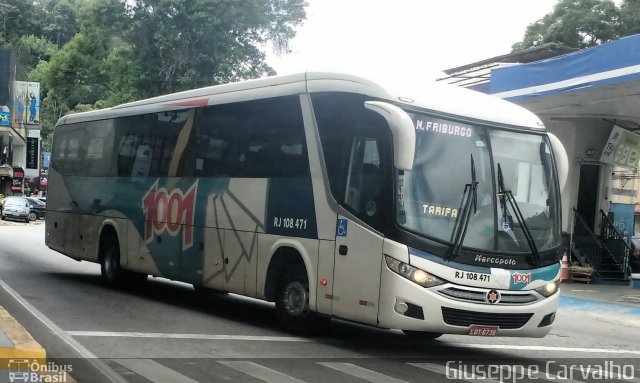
(38,208)
(16,208)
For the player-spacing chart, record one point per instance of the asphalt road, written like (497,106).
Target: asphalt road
(165,332)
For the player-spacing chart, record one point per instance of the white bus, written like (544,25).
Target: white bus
(431,213)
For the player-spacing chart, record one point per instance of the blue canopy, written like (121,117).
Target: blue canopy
(611,63)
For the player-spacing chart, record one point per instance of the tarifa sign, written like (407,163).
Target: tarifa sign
(622,148)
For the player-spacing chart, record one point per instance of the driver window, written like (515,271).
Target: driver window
(364,186)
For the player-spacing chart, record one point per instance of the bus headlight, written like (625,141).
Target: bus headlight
(414,274)
(549,289)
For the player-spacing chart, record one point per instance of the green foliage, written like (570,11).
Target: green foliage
(59,20)
(90,54)
(17,18)
(192,43)
(630,17)
(30,50)
(583,24)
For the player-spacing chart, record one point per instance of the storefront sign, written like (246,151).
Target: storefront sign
(18,179)
(32,153)
(622,148)
(44,169)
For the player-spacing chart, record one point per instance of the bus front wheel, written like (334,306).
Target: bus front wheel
(292,304)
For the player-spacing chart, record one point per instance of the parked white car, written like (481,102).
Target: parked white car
(16,208)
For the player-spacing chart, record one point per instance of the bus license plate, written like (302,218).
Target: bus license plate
(475,330)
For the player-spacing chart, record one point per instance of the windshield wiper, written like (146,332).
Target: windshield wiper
(469,197)
(506,195)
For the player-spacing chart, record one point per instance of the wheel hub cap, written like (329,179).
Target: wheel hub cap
(295,299)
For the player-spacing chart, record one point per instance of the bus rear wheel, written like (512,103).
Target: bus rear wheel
(421,335)
(110,264)
(292,304)
(110,268)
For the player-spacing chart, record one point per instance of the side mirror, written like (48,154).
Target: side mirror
(402,130)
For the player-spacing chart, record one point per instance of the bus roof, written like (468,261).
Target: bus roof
(438,97)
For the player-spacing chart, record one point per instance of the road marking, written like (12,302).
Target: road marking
(101,366)
(549,348)
(451,373)
(361,372)
(253,338)
(161,335)
(154,371)
(261,372)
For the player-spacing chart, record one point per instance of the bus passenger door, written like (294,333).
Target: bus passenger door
(358,248)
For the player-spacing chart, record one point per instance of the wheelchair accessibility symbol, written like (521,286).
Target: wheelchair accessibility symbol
(341,228)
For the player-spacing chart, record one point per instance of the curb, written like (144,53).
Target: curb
(17,343)
(22,358)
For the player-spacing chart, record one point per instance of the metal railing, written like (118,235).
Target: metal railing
(615,242)
(586,241)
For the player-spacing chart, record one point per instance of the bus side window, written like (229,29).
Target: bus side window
(255,139)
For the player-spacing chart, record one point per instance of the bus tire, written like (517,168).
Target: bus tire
(292,304)
(110,269)
(421,335)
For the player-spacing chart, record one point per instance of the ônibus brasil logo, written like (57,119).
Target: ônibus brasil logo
(165,211)
(521,278)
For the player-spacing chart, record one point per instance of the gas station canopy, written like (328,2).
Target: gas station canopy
(600,82)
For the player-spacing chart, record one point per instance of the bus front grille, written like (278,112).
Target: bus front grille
(479,296)
(455,317)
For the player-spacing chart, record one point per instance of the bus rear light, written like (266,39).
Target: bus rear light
(323,282)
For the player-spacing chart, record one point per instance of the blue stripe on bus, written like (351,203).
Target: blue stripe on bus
(452,264)
(520,279)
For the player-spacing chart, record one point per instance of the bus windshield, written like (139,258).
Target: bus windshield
(430,196)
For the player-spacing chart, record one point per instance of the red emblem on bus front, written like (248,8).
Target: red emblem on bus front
(493,297)
(164,211)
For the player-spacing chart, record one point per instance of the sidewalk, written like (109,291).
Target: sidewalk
(18,349)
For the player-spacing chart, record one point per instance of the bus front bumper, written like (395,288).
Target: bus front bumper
(430,311)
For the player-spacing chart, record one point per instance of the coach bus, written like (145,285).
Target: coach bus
(326,193)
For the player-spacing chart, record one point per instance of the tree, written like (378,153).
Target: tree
(630,17)
(30,50)
(17,18)
(575,23)
(128,50)
(57,19)
(191,43)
